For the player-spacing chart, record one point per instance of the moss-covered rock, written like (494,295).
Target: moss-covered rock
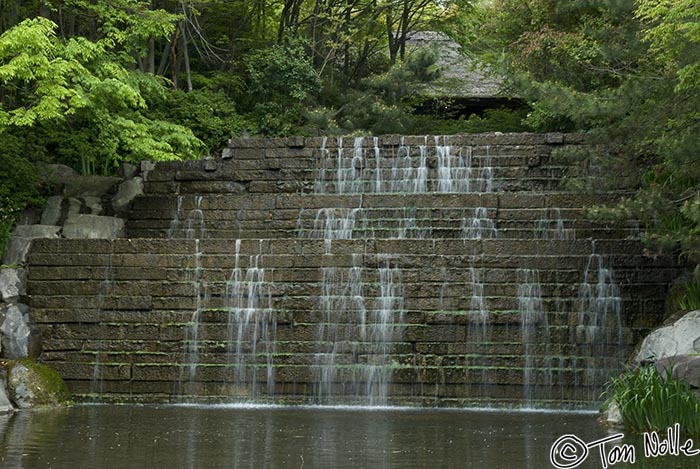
(31,384)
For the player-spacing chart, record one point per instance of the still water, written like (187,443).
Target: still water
(292,437)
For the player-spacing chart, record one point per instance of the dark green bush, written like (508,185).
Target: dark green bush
(19,186)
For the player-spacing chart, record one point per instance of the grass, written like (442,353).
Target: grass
(649,401)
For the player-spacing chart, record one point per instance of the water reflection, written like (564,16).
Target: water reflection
(193,437)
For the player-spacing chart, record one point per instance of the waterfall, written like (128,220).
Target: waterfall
(355,339)
(537,369)
(106,285)
(478,332)
(479,225)
(330,224)
(192,226)
(551,226)
(409,228)
(194,276)
(405,172)
(251,327)
(599,330)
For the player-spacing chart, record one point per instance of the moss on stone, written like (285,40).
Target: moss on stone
(33,384)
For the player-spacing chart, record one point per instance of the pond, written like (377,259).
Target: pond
(188,436)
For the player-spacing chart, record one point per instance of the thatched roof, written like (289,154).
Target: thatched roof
(461,77)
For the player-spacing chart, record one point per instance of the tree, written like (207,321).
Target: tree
(627,72)
(77,91)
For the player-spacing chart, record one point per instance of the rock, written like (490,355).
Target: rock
(29,216)
(93,204)
(612,414)
(15,331)
(82,186)
(74,206)
(128,170)
(56,172)
(210,164)
(52,211)
(554,138)
(681,338)
(31,384)
(147,167)
(93,227)
(18,245)
(682,367)
(127,192)
(5,404)
(12,284)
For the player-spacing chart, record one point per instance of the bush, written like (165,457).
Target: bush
(19,187)
(651,402)
(210,115)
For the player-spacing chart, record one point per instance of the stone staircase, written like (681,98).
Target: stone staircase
(394,270)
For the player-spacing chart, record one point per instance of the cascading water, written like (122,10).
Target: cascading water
(193,275)
(478,332)
(409,228)
(355,361)
(330,224)
(97,381)
(251,326)
(599,330)
(537,375)
(479,225)
(553,227)
(406,171)
(381,333)
(192,226)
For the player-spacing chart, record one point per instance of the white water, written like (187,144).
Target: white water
(334,223)
(355,360)
(552,226)
(479,225)
(188,226)
(251,326)
(599,330)
(406,171)
(537,370)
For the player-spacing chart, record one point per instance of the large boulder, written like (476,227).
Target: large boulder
(15,331)
(12,284)
(680,338)
(82,186)
(31,384)
(682,367)
(5,404)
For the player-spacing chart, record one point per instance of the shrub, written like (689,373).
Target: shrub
(651,402)
(19,187)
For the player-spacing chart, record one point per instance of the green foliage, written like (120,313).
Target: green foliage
(91,105)
(281,80)
(211,116)
(492,120)
(626,72)
(19,186)
(651,402)
(687,294)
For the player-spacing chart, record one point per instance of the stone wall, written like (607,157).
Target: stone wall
(505,296)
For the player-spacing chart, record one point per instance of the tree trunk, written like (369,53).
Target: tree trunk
(186,58)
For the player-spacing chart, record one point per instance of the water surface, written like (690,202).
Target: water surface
(94,436)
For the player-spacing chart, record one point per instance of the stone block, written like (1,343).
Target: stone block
(126,193)
(93,227)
